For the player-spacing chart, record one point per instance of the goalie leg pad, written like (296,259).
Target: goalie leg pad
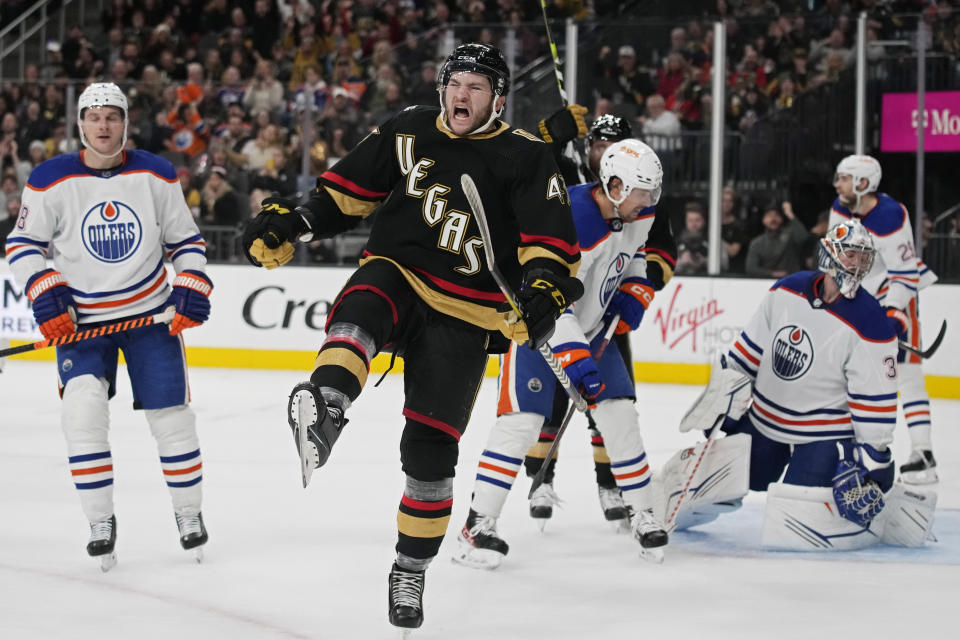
(908,516)
(799,518)
(718,487)
(501,460)
(727,395)
(85,423)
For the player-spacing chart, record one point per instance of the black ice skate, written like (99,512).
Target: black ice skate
(921,468)
(316,427)
(542,502)
(103,537)
(479,545)
(193,534)
(649,532)
(405,597)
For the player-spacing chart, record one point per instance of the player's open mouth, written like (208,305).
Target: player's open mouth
(461,113)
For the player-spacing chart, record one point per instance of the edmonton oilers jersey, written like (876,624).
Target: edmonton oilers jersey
(820,371)
(106,231)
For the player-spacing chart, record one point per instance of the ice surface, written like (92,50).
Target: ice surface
(283,562)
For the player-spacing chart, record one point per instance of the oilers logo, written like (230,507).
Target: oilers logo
(792,352)
(612,278)
(111,231)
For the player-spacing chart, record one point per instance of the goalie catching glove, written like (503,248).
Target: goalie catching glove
(863,475)
(53,304)
(542,298)
(631,300)
(268,238)
(565,125)
(190,299)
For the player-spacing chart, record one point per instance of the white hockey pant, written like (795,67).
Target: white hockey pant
(916,404)
(619,424)
(502,459)
(85,420)
(175,430)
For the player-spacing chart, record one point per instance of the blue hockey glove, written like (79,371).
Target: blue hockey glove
(899,322)
(863,474)
(191,299)
(631,301)
(580,367)
(53,304)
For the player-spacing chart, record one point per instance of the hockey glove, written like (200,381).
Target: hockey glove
(631,301)
(564,125)
(581,368)
(863,474)
(268,238)
(542,298)
(899,322)
(191,300)
(53,304)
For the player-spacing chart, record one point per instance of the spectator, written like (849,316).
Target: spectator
(9,189)
(260,151)
(218,201)
(267,30)
(340,113)
(276,176)
(231,90)
(190,193)
(424,89)
(832,45)
(672,75)
(692,241)
(392,104)
(661,128)
(733,233)
(634,84)
(778,251)
(53,64)
(308,55)
(189,132)
(266,92)
(233,136)
(8,216)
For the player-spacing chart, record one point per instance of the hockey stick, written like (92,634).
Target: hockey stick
(670,524)
(164,316)
(476,205)
(577,153)
(933,348)
(542,471)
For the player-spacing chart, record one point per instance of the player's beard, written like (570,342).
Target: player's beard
(847,202)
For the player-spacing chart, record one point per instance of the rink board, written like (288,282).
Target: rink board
(274,320)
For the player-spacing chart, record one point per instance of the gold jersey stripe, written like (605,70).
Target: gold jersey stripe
(443,128)
(664,266)
(526,254)
(422,527)
(351,206)
(340,357)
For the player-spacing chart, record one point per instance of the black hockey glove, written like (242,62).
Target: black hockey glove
(542,298)
(268,238)
(564,125)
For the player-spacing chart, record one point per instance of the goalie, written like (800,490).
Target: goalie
(822,360)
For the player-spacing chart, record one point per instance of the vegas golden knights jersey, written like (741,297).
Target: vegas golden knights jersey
(408,171)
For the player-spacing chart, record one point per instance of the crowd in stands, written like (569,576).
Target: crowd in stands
(235,92)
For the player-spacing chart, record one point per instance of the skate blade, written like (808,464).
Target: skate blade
(927,476)
(198,554)
(305,415)
(619,526)
(483,559)
(108,561)
(405,633)
(541,523)
(654,555)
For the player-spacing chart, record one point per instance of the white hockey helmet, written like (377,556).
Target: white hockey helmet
(637,166)
(846,254)
(859,167)
(102,94)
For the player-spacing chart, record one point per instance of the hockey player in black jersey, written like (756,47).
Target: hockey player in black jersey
(558,130)
(422,289)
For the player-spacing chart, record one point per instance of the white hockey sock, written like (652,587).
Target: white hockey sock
(85,421)
(174,429)
(617,420)
(512,435)
(916,405)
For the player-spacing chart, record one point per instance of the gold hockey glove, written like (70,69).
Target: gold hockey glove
(564,125)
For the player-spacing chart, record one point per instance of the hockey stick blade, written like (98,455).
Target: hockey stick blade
(933,348)
(125,325)
(476,206)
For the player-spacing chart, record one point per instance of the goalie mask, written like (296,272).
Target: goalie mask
(636,165)
(484,59)
(846,255)
(102,94)
(860,167)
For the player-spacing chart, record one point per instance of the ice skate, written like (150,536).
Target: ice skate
(614,508)
(649,532)
(541,504)
(316,427)
(103,537)
(405,598)
(479,545)
(921,468)
(193,534)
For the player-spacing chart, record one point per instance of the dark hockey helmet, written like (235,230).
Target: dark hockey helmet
(609,127)
(478,58)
